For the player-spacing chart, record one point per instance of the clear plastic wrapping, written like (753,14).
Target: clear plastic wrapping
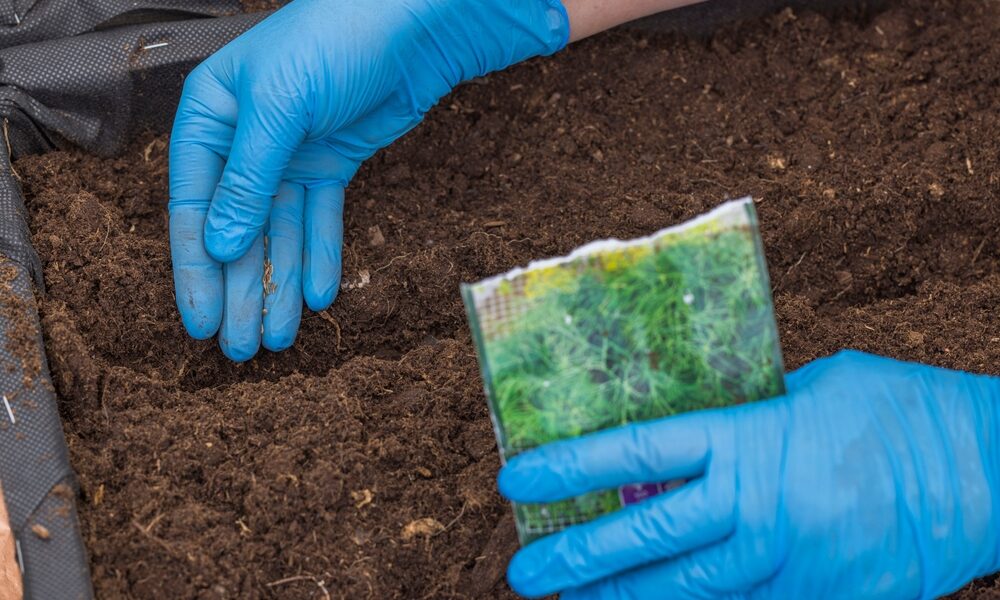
(619,332)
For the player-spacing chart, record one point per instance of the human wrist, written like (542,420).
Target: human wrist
(489,35)
(588,17)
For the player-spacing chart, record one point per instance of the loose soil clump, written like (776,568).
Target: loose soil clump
(361,463)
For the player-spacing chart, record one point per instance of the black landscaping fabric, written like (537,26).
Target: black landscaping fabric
(89,74)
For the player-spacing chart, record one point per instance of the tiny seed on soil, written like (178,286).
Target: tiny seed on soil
(244,530)
(425,527)
(362,498)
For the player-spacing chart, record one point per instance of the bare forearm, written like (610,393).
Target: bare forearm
(587,17)
(10,574)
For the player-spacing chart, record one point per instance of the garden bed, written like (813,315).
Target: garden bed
(362,461)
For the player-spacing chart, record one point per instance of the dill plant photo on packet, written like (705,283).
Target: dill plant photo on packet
(619,332)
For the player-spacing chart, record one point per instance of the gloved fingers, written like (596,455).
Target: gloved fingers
(240,334)
(199,143)
(283,269)
(324,240)
(700,575)
(674,448)
(269,130)
(659,528)
(201,138)
(197,276)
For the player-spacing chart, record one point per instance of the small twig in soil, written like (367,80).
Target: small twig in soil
(244,530)
(319,582)
(98,496)
(169,550)
(452,522)
(180,372)
(389,307)
(360,560)
(979,248)
(330,319)
(797,263)
(100,400)
(777,286)
(107,233)
(148,528)
(392,260)
(841,293)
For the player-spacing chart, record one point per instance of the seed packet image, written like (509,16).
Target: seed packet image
(619,332)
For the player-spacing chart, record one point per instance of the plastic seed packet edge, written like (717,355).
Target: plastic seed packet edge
(730,213)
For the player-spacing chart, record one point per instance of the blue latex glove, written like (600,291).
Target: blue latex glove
(870,478)
(271,129)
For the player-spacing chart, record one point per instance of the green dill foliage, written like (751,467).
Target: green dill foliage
(680,321)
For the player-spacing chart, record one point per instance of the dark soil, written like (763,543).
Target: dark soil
(361,462)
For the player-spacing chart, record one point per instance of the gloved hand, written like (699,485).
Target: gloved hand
(271,129)
(870,478)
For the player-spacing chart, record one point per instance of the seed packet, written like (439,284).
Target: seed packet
(619,332)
